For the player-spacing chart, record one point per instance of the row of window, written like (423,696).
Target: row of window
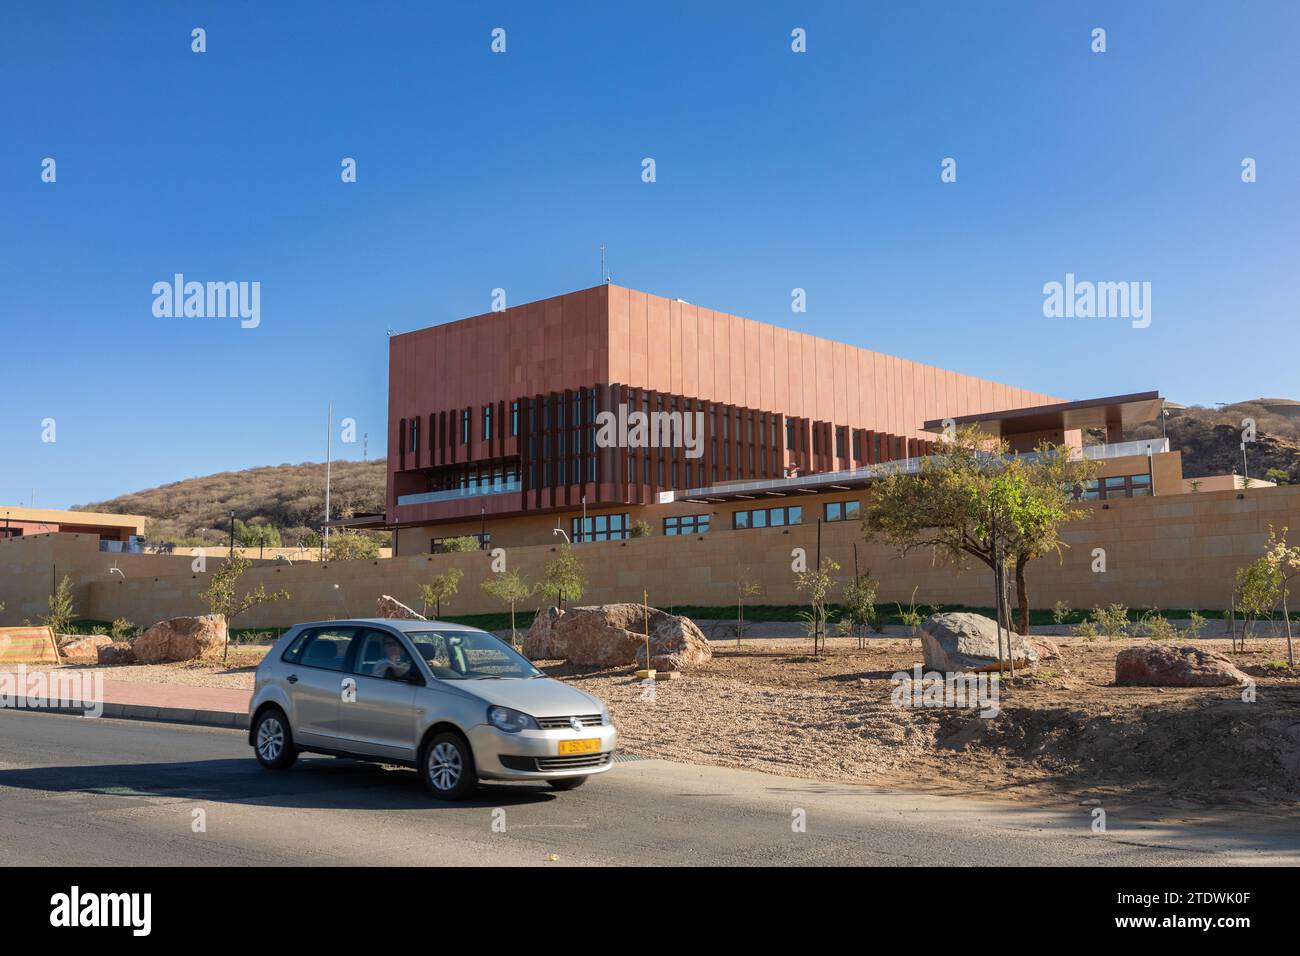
(767,517)
(413,431)
(1118,486)
(600,528)
(686,524)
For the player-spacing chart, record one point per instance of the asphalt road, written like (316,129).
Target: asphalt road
(122,792)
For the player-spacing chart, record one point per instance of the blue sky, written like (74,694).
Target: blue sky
(478,170)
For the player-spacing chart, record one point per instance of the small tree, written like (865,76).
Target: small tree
(859,607)
(441,588)
(564,578)
(1258,589)
(351,546)
(222,593)
(1111,620)
(62,612)
(508,587)
(1060,612)
(746,587)
(122,629)
(1284,559)
(816,584)
(461,545)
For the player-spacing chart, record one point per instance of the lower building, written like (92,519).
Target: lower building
(115,532)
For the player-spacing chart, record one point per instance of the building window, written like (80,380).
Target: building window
(600,528)
(767,517)
(841,510)
(439,545)
(686,524)
(415,434)
(841,440)
(789,433)
(464,426)
(487,422)
(514,419)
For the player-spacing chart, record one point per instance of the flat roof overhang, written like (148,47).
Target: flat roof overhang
(773,490)
(1116,410)
(365,522)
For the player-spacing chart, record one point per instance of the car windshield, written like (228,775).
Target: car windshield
(469,655)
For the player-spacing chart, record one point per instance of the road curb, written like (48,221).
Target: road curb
(167,715)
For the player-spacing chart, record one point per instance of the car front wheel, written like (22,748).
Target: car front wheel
(273,741)
(566,783)
(448,767)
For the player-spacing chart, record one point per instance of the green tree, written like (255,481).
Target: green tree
(1284,560)
(817,584)
(351,546)
(257,534)
(859,607)
(640,529)
(508,587)
(564,578)
(222,593)
(1258,589)
(971,499)
(1279,476)
(441,588)
(464,543)
(61,610)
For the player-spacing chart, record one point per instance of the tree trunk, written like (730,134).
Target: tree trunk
(1022,596)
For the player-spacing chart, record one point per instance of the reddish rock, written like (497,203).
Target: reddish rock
(84,650)
(1046,648)
(613,635)
(115,653)
(182,639)
(390,607)
(1168,665)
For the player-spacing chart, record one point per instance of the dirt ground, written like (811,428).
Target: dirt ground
(1064,731)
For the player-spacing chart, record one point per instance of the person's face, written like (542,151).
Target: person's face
(392,650)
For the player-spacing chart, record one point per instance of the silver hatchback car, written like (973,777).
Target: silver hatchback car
(454,702)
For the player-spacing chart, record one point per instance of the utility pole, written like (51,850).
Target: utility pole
(232,534)
(329,438)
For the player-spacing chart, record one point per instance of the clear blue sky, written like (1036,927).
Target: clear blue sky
(476,170)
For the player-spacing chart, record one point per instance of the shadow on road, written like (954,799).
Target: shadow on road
(313,782)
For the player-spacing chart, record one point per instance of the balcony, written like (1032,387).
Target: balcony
(1124,449)
(459,494)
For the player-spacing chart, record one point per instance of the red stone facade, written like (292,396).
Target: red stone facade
(506,403)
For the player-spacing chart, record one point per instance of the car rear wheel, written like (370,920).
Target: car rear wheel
(566,783)
(448,767)
(273,741)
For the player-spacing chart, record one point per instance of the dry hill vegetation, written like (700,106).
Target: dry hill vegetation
(1210,440)
(289,498)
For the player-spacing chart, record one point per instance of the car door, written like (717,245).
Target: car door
(318,684)
(379,718)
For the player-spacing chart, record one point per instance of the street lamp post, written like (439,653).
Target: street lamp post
(232,534)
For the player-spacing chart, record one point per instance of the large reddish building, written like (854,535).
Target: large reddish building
(497,415)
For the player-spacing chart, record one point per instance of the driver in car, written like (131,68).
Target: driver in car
(394,665)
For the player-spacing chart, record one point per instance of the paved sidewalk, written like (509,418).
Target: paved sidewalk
(174,703)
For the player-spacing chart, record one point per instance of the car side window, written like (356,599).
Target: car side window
(294,651)
(382,655)
(327,648)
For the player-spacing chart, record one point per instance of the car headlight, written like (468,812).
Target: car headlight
(509,720)
(604,718)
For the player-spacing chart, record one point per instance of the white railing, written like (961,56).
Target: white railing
(1124,449)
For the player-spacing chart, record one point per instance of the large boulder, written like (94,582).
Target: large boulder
(182,639)
(959,641)
(1171,665)
(116,652)
(84,650)
(613,635)
(390,607)
(540,643)
(1048,649)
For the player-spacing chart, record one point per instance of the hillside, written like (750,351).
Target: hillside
(290,498)
(1210,440)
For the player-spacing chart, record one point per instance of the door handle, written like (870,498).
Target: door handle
(292,678)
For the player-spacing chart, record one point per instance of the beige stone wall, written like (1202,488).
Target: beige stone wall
(1168,551)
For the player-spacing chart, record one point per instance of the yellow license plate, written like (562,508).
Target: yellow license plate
(579,746)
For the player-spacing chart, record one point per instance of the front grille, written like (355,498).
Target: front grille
(552,764)
(559,723)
